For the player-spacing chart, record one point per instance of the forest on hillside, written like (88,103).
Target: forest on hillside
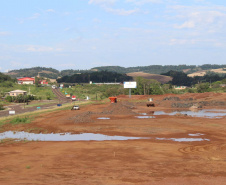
(152,69)
(35,71)
(158,69)
(95,77)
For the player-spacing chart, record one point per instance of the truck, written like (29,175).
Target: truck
(73,98)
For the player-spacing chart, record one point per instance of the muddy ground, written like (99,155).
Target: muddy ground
(155,159)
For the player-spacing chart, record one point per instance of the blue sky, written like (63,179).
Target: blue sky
(81,34)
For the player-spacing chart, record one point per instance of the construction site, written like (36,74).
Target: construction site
(178,139)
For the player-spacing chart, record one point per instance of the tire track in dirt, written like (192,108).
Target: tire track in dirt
(202,148)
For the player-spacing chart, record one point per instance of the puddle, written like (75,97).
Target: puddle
(144,117)
(207,113)
(144,114)
(63,136)
(197,134)
(103,118)
(183,139)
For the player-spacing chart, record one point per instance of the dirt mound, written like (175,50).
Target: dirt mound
(172,98)
(84,117)
(120,108)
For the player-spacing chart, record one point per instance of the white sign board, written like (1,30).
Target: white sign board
(130,85)
(12,112)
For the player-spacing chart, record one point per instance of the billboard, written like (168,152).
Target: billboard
(130,85)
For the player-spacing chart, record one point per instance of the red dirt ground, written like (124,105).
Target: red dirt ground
(143,162)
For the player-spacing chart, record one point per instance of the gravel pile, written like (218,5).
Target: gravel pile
(120,108)
(84,117)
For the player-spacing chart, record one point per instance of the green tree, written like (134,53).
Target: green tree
(203,87)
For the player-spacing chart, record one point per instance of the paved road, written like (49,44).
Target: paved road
(19,107)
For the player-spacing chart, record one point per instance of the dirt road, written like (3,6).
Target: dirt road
(161,157)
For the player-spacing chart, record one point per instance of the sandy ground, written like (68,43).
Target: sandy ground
(142,161)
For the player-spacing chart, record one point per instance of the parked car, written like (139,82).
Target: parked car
(75,107)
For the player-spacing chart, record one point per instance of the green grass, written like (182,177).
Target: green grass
(20,120)
(28,167)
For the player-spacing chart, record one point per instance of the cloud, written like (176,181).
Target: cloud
(121,11)
(195,41)
(102,1)
(142,2)
(35,16)
(107,5)
(4,33)
(210,19)
(42,49)
(50,10)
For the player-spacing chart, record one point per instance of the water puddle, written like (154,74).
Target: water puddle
(197,134)
(183,139)
(207,113)
(62,137)
(103,118)
(144,114)
(144,117)
(87,137)
(186,139)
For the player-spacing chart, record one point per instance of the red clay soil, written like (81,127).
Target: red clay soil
(143,161)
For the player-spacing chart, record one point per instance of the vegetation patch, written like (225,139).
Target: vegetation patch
(20,120)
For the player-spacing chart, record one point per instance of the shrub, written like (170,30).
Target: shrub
(19,120)
(1,107)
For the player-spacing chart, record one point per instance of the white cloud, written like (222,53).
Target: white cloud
(210,19)
(142,2)
(186,24)
(35,16)
(121,11)
(50,10)
(42,49)
(96,20)
(4,33)
(195,41)
(102,1)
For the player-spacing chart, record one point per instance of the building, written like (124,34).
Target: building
(180,87)
(17,92)
(43,82)
(26,80)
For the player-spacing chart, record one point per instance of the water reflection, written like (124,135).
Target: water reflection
(208,113)
(144,117)
(103,118)
(62,136)
(183,139)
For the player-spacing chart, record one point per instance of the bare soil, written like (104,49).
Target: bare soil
(159,78)
(143,162)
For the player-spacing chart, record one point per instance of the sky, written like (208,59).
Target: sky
(82,34)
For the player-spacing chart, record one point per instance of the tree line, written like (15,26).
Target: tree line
(153,69)
(182,79)
(95,77)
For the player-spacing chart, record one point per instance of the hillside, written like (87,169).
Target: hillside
(152,69)
(160,78)
(35,71)
(159,69)
(203,72)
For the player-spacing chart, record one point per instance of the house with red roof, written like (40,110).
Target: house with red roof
(26,80)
